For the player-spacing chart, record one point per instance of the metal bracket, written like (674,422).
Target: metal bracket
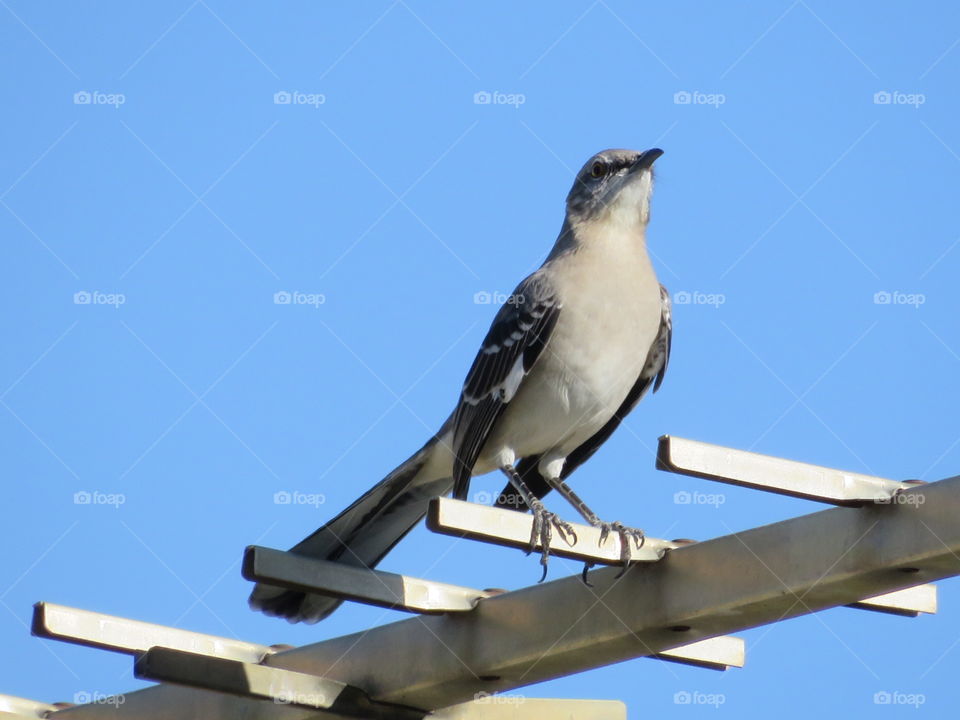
(909,602)
(518,707)
(773,474)
(14,707)
(373,587)
(512,529)
(717,653)
(283,687)
(132,637)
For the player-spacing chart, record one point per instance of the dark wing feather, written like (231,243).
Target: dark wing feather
(515,340)
(654,369)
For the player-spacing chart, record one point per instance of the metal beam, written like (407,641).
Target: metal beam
(909,602)
(773,474)
(512,529)
(717,653)
(731,583)
(518,707)
(281,687)
(373,587)
(117,634)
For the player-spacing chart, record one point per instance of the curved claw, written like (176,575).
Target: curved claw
(625,534)
(541,533)
(565,530)
(536,531)
(583,576)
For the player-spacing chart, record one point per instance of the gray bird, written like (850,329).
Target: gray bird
(567,357)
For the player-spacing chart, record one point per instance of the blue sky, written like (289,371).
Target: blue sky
(156,193)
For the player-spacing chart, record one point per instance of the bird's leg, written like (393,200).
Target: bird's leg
(544,521)
(625,533)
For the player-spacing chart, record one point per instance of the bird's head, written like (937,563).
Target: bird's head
(613,185)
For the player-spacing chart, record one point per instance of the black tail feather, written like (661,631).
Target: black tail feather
(359,536)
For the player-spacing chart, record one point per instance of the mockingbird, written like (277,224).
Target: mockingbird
(572,351)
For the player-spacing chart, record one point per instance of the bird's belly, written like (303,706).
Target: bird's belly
(593,358)
(571,400)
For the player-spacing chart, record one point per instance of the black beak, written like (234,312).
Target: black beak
(646,159)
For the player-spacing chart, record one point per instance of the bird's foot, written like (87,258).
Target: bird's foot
(626,534)
(544,523)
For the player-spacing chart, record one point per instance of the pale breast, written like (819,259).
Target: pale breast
(609,319)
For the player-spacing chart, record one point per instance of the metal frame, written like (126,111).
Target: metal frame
(890,537)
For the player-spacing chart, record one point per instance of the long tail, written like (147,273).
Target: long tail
(362,534)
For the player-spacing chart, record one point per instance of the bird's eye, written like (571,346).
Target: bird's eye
(599,169)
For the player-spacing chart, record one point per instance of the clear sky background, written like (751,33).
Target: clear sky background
(181,198)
